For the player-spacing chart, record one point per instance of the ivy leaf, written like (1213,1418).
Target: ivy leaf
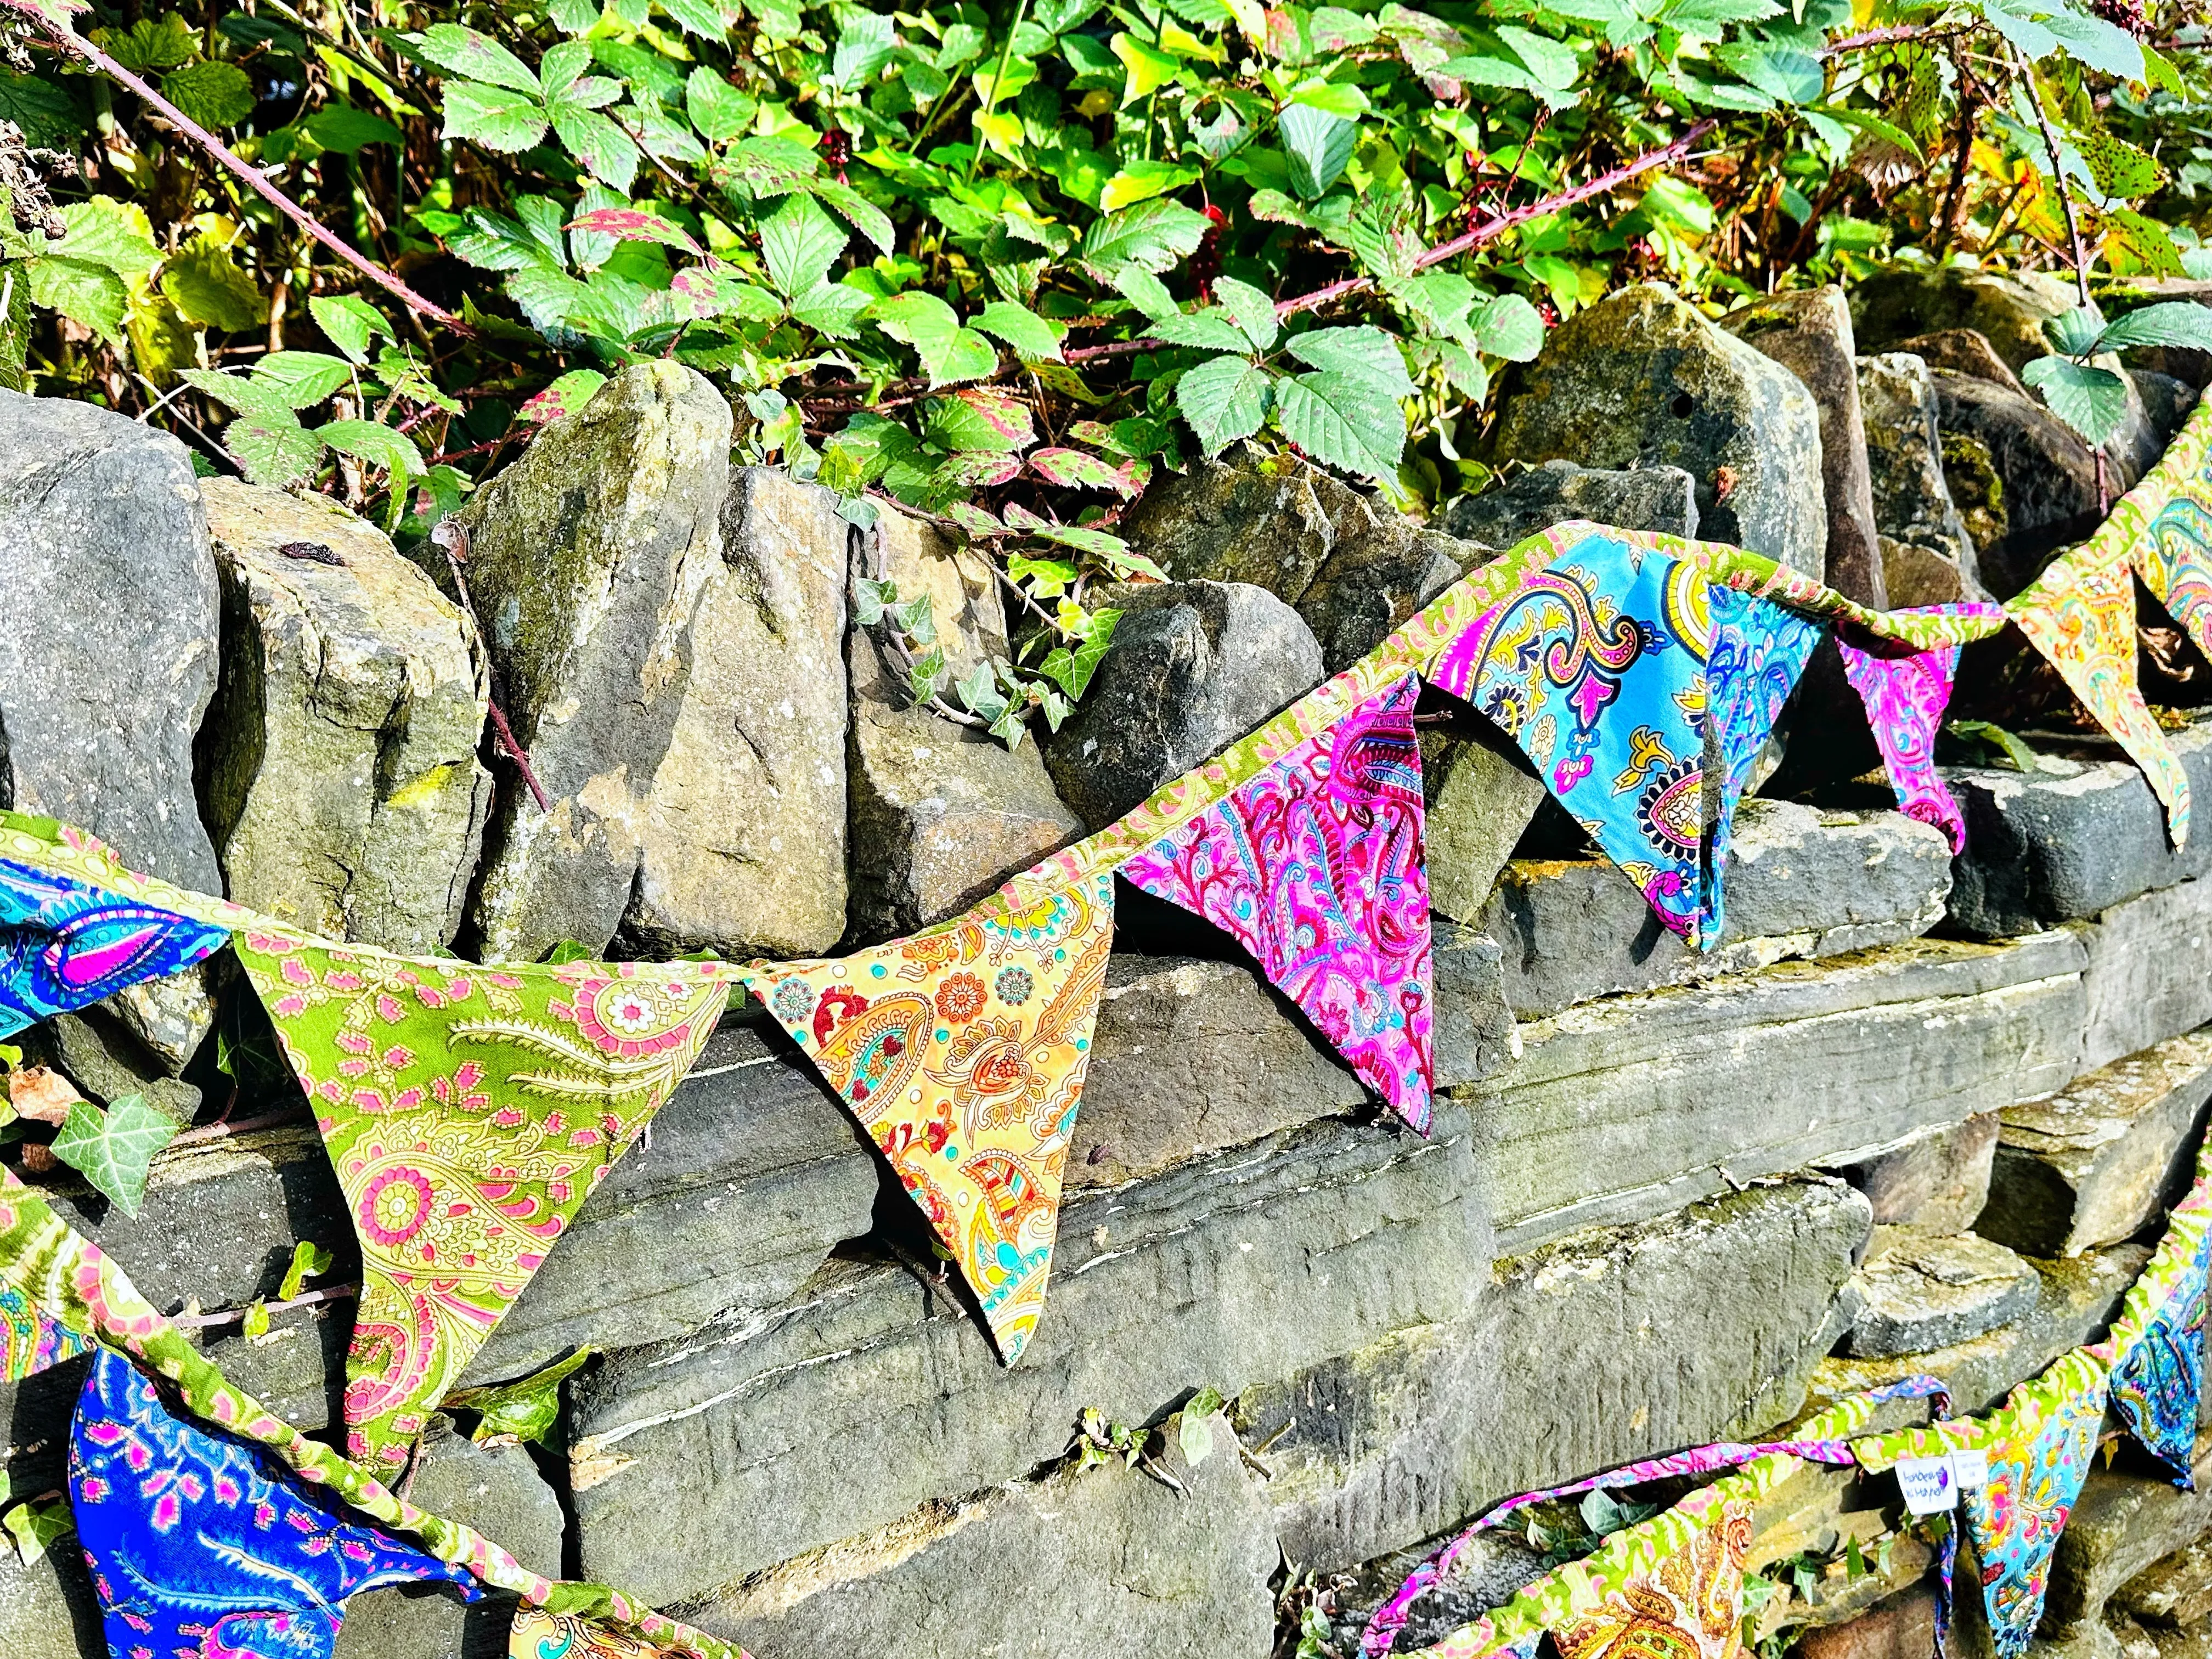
(1030,336)
(1195,1433)
(214,93)
(349,323)
(1343,420)
(798,241)
(499,119)
(1364,354)
(37,1527)
(478,57)
(113,1149)
(206,286)
(2171,323)
(1151,235)
(1224,400)
(309,1260)
(1071,670)
(1319,146)
(302,378)
(526,1410)
(1252,311)
(2092,401)
(948,353)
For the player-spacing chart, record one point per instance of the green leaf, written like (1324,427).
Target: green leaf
(1196,1432)
(256,1323)
(149,44)
(857,211)
(1364,354)
(1252,311)
(606,151)
(113,1149)
(274,448)
(2103,46)
(1151,235)
(2092,401)
(37,1527)
(379,445)
(979,419)
(1030,335)
(833,309)
(2075,331)
(1553,64)
(1148,68)
(206,286)
(2017,754)
(1209,330)
(581,1600)
(1344,421)
(864,45)
(564,396)
(948,353)
(2122,172)
(476,56)
(1682,205)
(719,109)
(526,1410)
(103,231)
(83,292)
(345,130)
(1224,400)
(1071,670)
(302,378)
(498,117)
(1146,292)
(1510,327)
(1319,146)
(215,94)
(1074,469)
(43,108)
(798,241)
(309,1260)
(1141,180)
(349,323)
(2171,323)
(698,17)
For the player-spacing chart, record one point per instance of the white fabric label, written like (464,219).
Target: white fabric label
(1970,1469)
(1928,1484)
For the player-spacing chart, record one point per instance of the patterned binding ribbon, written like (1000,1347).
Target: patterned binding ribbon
(2173,553)
(2156,1348)
(539,1634)
(1826,1439)
(1595,666)
(1758,652)
(199,1545)
(71,1280)
(1315,867)
(469,1112)
(30,1340)
(1904,697)
(65,943)
(961,1051)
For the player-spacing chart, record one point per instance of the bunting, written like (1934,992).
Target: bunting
(1904,697)
(65,943)
(539,1634)
(2157,1344)
(1315,866)
(31,1341)
(961,1051)
(199,1545)
(469,1112)
(1758,652)
(2167,527)
(1595,666)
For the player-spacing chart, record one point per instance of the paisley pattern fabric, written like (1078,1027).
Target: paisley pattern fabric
(1904,697)
(2081,615)
(2157,1343)
(198,1546)
(31,1340)
(1595,666)
(72,1282)
(469,1112)
(1315,867)
(539,1634)
(2168,527)
(65,943)
(961,1051)
(1759,651)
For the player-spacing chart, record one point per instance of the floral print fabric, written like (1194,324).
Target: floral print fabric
(1595,666)
(31,1341)
(2167,527)
(962,1051)
(469,1112)
(198,1546)
(1315,866)
(1758,652)
(2158,1341)
(539,1634)
(65,943)
(2038,1447)
(1904,697)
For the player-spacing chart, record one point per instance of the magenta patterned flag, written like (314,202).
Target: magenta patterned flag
(1315,867)
(1905,698)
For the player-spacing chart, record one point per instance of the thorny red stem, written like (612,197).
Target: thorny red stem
(514,752)
(229,1126)
(237,1315)
(253,177)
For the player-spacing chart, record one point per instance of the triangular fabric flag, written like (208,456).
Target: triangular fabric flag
(2039,1446)
(199,1545)
(539,1634)
(961,1051)
(1904,697)
(2158,1341)
(66,943)
(469,1112)
(2081,615)
(1758,652)
(1688,1605)
(2168,527)
(1315,867)
(31,1340)
(1595,666)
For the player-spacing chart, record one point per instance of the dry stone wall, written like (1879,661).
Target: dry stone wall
(1914,1114)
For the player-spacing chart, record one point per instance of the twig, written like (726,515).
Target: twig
(253,177)
(237,1315)
(998,79)
(454,541)
(228,1126)
(1874,38)
(2073,233)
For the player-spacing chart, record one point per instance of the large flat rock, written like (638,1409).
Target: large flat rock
(2150,970)
(1626,1109)
(1230,1270)
(1800,883)
(1938,1180)
(2094,1162)
(1600,1349)
(2126,1519)
(1923,1290)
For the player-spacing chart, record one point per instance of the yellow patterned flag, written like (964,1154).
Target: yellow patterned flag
(962,1050)
(539,1634)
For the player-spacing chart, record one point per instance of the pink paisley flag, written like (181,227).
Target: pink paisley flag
(1315,867)
(1904,697)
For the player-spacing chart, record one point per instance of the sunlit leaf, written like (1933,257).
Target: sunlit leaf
(1224,400)
(113,1149)
(526,1410)
(1342,419)
(2092,401)
(214,93)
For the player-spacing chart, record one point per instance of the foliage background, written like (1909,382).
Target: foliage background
(1005,263)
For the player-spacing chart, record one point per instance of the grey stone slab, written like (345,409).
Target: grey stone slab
(1480,795)
(104,541)
(1922,1291)
(1904,454)
(2150,970)
(339,765)
(1937,1180)
(1068,1567)
(1626,1109)
(1920,575)
(2124,1520)
(1801,883)
(2048,475)
(1385,566)
(1229,1270)
(2080,1297)
(1663,498)
(590,554)
(1600,1349)
(743,832)
(2174,1592)
(2081,835)
(1271,520)
(2092,1163)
